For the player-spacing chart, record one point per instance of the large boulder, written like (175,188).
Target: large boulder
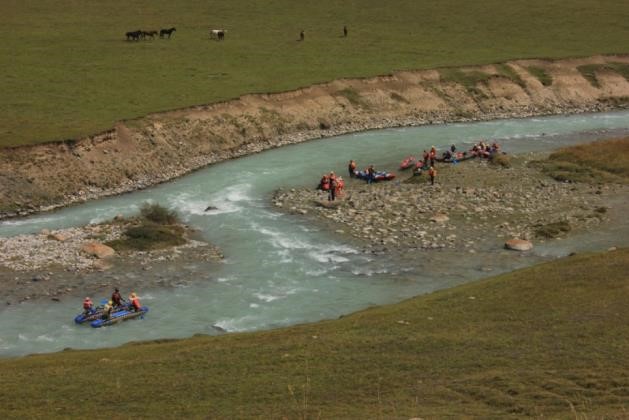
(519,244)
(98,250)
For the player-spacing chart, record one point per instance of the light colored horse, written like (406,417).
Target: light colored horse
(218,34)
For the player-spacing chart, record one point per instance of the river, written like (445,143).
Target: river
(279,270)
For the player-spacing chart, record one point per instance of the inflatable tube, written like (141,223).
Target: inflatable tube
(119,316)
(407,163)
(96,313)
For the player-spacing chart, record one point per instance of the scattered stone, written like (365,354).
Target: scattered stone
(439,218)
(59,237)
(210,208)
(98,250)
(612,248)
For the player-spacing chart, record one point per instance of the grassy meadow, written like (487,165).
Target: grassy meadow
(600,162)
(547,341)
(67,70)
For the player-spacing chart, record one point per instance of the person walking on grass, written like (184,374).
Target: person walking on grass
(302,35)
(432,172)
(345,31)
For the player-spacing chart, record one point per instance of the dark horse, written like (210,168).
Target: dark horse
(149,33)
(134,35)
(165,32)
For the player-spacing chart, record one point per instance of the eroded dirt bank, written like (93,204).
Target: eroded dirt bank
(159,147)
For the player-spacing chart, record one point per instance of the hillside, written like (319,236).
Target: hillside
(69,72)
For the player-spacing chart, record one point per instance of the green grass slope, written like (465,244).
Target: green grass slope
(551,341)
(67,70)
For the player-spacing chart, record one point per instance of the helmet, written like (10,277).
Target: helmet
(133,296)
(87,298)
(110,302)
(116,290)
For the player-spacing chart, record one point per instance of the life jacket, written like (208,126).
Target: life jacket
(325,183)
(352,165)
(432,172)
(136,303)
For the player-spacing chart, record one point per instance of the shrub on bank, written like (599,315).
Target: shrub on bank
(156,228)
(158,214)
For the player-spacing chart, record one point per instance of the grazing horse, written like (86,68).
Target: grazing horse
(218,34)
(134,35)
(149,33)
(165,32)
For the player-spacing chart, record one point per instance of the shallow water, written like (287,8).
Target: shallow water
(279,270)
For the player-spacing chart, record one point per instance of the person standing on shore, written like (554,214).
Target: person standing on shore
(432,172)
(333,186)
(371,174)
(351,167)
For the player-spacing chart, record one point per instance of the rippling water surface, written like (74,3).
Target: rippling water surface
(280,271)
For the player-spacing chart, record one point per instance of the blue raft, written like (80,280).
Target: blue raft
(96,313)
(121,314)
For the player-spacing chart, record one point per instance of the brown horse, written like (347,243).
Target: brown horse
(149,33)
(134,35)
(165,32)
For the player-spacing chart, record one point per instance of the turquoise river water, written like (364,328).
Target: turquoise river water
(279,270)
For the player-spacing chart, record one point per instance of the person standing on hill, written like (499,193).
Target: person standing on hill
(432,172)
(345,31)
(302,35)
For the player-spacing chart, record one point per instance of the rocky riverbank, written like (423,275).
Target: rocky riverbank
(474,205)
(63,262)
(140,153)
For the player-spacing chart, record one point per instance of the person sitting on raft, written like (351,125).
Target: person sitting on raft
(135,302)
(116,298)
(107,310)
(88,306)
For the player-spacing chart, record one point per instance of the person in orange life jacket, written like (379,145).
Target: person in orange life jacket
(433,173)
(333,186)
(88,306)
(352,168)
(116,298)
(135,302)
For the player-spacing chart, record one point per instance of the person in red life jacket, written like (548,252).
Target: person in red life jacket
(116,298)
(426,156)
(324,184)
(333,186)
(432,172)
(351,167)
(433,155)
(88,306)
(135,302)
